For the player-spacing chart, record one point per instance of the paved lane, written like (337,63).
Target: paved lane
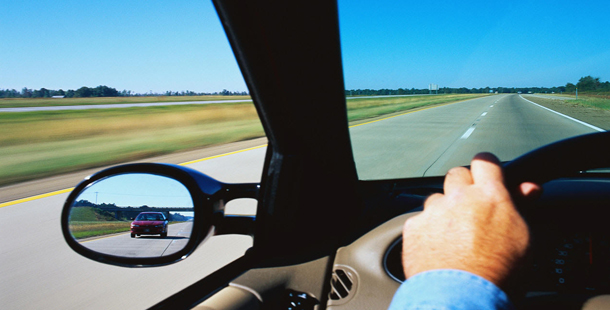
(143,246)
(431,141)
(512,127)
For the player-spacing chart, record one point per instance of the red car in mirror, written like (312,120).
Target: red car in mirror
(149,223)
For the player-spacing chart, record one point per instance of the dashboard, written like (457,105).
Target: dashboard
(570,248)
(568,264)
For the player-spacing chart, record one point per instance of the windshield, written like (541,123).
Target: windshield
(149,217)
(429,85)
(87,85)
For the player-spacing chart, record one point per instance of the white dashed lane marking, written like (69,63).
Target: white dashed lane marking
(472,127)
(468,133)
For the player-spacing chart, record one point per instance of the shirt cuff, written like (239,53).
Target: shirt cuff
(448,289)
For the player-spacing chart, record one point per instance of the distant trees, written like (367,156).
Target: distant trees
(100,91)
(103,91)
(586,83)
(449,90)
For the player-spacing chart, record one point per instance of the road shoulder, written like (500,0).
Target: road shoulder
(596,117)
(60,182)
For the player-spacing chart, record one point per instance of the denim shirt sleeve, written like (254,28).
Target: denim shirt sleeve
(448,289)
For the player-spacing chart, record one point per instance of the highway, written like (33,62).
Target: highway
(143,246)
(431,141)
(38,270)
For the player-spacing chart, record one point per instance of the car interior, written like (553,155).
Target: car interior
(323,238)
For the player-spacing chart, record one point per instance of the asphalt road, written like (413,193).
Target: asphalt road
(38,270)
(430,142)
(145,245)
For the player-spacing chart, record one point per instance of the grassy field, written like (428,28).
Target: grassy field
(85,229)
(42,102)
(593,99)
(40,144)
(89,222)
(364,108)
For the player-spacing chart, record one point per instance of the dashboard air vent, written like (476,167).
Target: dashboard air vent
(342,283)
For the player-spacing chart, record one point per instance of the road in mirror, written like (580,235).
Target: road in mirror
(133,215)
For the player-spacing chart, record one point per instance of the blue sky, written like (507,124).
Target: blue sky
(135,190)
(180,45)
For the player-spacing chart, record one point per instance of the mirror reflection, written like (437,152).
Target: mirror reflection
(133,215)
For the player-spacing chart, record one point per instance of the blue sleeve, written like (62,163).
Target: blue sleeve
(448,289)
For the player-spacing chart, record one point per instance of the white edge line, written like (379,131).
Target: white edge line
(570,118)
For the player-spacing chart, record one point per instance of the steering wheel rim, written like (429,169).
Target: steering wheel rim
(560,159)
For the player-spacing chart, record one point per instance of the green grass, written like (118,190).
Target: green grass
(590,101)
(39,144)
(599,100)
(89,214)
(34,145)
(86,229)
(42,102)
(90,222)
(363,108)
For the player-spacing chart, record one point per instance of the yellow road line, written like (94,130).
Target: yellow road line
(14,202)
(221,155)
(413,111)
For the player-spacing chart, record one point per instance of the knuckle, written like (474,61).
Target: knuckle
(457,171)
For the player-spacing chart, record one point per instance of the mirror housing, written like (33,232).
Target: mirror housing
(208,196)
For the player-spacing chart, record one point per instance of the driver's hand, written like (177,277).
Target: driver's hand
(473,227)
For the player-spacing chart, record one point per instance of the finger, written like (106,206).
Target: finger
(485,167)
(457,177)
(430,201)
(529,190)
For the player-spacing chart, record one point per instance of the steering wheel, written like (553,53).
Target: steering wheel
(560,159)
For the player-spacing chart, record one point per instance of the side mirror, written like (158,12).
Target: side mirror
(142,215)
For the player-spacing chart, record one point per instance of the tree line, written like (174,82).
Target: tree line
(126,213)
(102,91)
(587,84)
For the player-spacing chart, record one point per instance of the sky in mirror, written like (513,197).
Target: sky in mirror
(137,190)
